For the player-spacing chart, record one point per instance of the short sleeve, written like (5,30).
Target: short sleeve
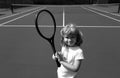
(79,55)
(62,49)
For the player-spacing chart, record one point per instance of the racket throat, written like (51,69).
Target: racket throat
(53,46)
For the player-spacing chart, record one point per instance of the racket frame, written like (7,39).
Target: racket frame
(51,39)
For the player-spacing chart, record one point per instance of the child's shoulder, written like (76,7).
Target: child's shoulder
(78,49)
(63,47)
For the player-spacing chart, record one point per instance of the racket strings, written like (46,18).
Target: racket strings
(46,24)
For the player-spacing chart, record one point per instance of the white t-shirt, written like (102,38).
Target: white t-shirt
(70,55)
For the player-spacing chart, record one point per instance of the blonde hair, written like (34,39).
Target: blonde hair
(67,29)
(71,30)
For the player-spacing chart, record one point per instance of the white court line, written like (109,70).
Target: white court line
(19,13)
(101,14)
(2,24)
(63,17)
(82,26)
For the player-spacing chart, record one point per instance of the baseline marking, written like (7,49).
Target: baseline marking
(82,26)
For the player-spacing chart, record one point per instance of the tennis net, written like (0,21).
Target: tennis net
(15,8)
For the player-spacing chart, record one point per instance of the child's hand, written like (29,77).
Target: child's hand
(59,56)
(54,56)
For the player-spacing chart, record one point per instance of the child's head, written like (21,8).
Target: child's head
(71,36)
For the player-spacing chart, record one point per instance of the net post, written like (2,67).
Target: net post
(11,7)
(119,8)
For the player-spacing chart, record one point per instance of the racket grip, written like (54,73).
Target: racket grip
(58,63)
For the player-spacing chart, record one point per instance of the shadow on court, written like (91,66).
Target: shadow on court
(24,54)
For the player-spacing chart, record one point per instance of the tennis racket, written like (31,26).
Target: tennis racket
(46,27)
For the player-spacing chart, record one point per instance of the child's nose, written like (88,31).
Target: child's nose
(69,40)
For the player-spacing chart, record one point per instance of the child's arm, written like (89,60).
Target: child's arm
(74,67)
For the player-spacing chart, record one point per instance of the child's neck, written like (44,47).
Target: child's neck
(72,47)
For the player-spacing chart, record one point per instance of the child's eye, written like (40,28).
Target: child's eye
(67,37)
(71,37)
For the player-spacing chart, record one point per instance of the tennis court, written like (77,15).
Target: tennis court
(24,54)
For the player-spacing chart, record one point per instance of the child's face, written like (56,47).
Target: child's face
(70,41)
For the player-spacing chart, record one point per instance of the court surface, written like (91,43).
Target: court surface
(24,54)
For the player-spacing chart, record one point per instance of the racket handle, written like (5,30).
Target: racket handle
(58,63)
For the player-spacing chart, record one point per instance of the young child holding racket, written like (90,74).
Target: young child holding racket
(71,54)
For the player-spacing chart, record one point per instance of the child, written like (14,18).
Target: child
(71,54)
